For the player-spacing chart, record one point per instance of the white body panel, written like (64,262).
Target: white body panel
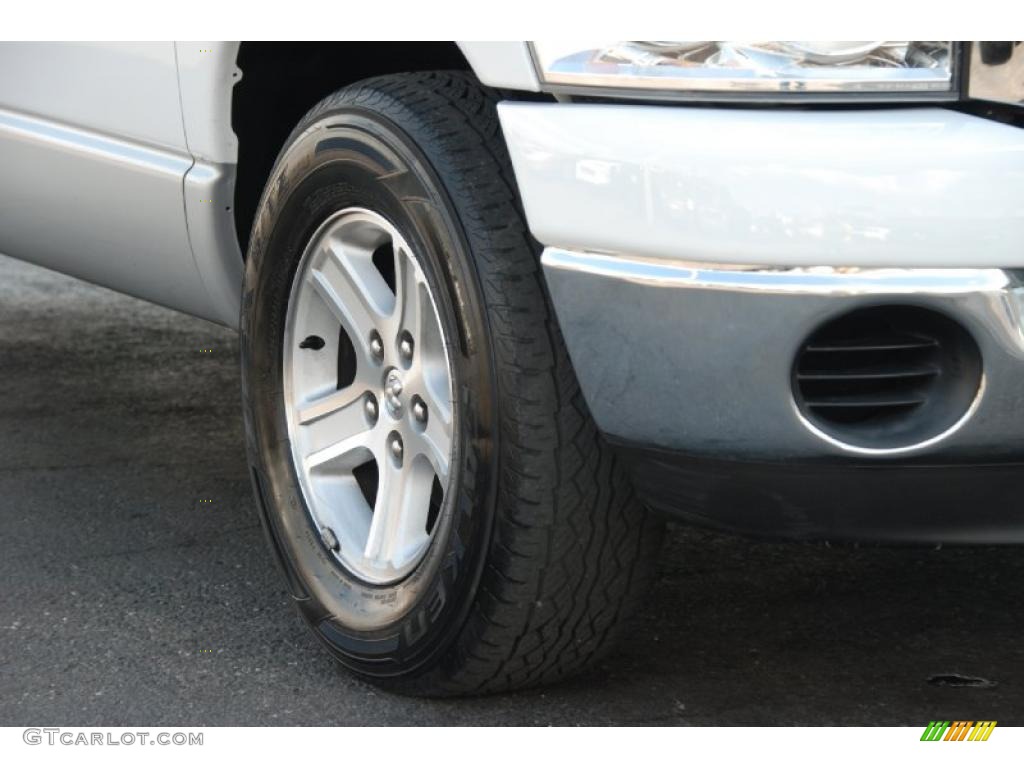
(95,160)
(100,208)
(207,74)
(127,90)
(502,65)
(894,187)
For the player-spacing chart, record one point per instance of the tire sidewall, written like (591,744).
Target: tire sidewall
(349,157)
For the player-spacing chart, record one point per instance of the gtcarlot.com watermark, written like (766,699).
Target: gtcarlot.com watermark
(70,737)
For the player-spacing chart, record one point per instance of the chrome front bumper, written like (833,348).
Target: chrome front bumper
(653,215)
(652,218)
(699,359)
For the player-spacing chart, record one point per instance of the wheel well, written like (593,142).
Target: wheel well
(281,81)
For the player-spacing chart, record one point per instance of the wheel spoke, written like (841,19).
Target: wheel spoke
(398,528)
(435,395)
(411,532)
(409,295)
(435,443)
(387,512)
(348,283)
(348,449)
(333,427)
(318,407)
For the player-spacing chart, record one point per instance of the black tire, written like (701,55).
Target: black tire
(542,551)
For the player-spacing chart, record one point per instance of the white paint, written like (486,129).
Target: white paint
(504,64)
(884,187)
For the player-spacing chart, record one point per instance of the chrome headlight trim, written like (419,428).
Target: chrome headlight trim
(812,80)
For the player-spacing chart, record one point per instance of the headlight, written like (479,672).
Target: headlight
(711,69)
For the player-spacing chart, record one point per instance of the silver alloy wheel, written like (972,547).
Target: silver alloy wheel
(368,383)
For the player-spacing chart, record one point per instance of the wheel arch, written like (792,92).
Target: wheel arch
(240,101)
(280,82)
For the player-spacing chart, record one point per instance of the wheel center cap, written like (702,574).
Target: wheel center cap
(393,394)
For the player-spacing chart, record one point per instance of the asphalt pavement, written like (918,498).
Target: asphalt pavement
(136,588)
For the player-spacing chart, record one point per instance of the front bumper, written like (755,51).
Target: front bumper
(688,369)
(689,253)
(699,359)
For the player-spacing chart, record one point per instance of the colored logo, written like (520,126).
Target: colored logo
(958,730)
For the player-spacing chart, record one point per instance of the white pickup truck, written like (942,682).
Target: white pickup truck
(499,300)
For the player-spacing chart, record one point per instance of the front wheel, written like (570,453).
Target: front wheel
(446,513)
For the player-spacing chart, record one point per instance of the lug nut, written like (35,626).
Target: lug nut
(405,346)
(419,410)
(396,448)
(330,539)
(371,408)
(376,346)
